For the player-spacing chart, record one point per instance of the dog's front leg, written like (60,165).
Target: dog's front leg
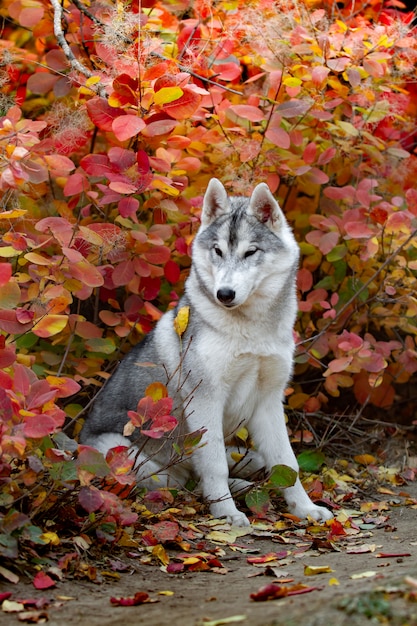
(270,436)
(210,466)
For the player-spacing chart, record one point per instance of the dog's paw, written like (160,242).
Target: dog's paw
(238,519)
(318,513)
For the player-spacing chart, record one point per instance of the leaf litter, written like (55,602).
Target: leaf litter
(183,539)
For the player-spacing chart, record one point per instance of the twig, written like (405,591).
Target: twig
(62,42)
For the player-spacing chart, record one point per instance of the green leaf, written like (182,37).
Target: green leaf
(257,500)
(337,253)
(282,476)
(311,460)
(101,346)
(8,546)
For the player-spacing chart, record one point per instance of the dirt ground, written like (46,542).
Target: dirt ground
(386,591)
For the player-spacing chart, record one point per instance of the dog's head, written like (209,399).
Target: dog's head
(244,247)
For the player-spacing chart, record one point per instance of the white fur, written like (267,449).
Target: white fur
(239,357)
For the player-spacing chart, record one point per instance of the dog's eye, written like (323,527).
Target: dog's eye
(218,251)
(250,252)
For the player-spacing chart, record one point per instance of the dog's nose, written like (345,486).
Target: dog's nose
(226,295)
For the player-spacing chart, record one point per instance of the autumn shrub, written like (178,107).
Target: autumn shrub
(114,118)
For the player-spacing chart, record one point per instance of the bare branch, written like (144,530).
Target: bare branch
(62,42)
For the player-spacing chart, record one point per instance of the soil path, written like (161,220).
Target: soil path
(203,597)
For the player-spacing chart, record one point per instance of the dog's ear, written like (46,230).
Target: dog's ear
(215,202)
(264,206)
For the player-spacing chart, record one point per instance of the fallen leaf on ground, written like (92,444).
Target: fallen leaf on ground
(366,547)
(273,591)
(224,620)
(141,597)
(363,575)
(9,606)
(266,558)
(313,570)
(33,617)
(8,575)
(43,581)
(391,555)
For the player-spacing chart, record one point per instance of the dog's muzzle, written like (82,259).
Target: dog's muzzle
(226,296)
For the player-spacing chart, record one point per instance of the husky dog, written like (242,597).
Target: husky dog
(237,356)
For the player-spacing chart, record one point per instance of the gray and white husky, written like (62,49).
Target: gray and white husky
(237,356)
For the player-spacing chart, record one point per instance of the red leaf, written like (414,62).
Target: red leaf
(41,82)
(273,591)
(10,323)
(102,114)
(38,426)
(358,230)
(123,273)
(62,386)
(165,531)
(293,108)
(6,407)
(141,597)
(5,273)
(304,279)
(76,183)
(227,71)
(310,153)
(157,255)
(161,425)
(346,193)
(172,272)
(121,464)
(127,126)
(128,207)
(43,581)
(159,127)
(90,499)
(143,162)
(279,137)
(40,393)
(122,187)
(96,165)
(5,595)
(183,108)
(249,112)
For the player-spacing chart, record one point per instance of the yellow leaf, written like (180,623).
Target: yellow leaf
(51,537)
(333,581)
(167,94)
(93,80)
(165,593)
(243,434)
(9,215)
(365,459)
(8,251)
(160,553)
(236,456)
(181,321)
(50,325)
(163,186)
(191,560)
(313,570)
(342,26)
(292,81)
(156,391)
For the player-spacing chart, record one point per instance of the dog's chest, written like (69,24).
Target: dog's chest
(247,380)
